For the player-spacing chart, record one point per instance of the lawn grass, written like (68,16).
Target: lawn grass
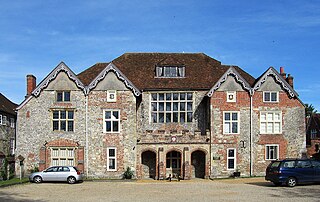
(13,181)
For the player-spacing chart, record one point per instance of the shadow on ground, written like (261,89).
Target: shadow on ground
(4,197)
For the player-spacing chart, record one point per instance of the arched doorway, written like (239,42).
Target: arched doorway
(173,163)
(148,160)
(198,162)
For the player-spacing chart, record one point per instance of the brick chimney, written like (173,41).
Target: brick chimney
(282,73)
(31,84)
(290,80)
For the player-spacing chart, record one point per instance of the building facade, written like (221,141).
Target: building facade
(159,114)
(8,119)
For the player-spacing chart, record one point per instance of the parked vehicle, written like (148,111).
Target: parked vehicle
(68,174)
(293,171)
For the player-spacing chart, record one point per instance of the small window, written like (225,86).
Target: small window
(111,96)
(270,96)
(63,96)
(231,159)
(231,96)
(1,119)
(111,121)
(313,134)
(230,122)
(12,124)
(4,120)
(170,72)
(111,159)
(272,152)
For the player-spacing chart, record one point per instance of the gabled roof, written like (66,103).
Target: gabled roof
(6,105)
(201,70)
(279,79)
(231,71)
(53,74)
(120,75)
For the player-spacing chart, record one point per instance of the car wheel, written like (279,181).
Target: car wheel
(277,183)
(37,179)
(291,182)
(71,180)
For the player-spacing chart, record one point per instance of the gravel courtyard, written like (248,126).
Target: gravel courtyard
(247,189)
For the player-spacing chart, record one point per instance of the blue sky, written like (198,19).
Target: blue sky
(36,35)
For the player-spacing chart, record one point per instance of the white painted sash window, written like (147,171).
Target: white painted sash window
(111,159)
(231,122)
(272,152)
(270,122)
(231,159)
(111,121)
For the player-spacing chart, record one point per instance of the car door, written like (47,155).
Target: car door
(304,171)
(63,173)
(316,165)
(50,174)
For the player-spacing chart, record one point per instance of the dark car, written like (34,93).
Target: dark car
(293,171)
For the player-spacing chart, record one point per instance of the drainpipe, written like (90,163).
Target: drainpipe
(251,121)
(87,145)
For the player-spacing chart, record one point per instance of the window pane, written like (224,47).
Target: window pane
(189,106)
(263,117)
(161,117)
(112,164)
(182,106)
(55,125)
(182,96)
(175,116)
(168,117)
(168,106)
(270,116)
(189,117)
(63,125)
(227,126)
(267,96)
(115,115)
(154,117)
(270,127)
(235,116)
(227,116)
(108,114)
(277,127)
(161,96)
(182,117)
(230,153)
(277,116)
(115,125)
(234,127)
(70,125)
(189,96)
(153,106)
(154,96)
(108,126)
(112,152)
(67,96)
(168,96)
(230,163)
(274,96)
(55,114)
(62,114)
(59,96)
(175,106)
(263,127)
(175,96)
(161,106)
(70,114)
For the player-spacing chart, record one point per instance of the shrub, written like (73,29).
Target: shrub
(128,174)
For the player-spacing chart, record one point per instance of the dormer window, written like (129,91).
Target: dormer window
(170,71)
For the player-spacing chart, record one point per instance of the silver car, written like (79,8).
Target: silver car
(69,174)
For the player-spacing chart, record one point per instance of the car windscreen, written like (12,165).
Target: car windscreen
(275,164)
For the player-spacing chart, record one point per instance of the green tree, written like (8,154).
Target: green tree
(310,110)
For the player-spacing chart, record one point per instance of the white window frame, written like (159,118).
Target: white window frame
(268,151)
(0,119)
(313,134)
(187,111)
(110,158)
(234,158)
(59,119)
(270,95)
(60,158)
(270,122)
(111,96)
(231,96)
(231,121)
(112,119)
